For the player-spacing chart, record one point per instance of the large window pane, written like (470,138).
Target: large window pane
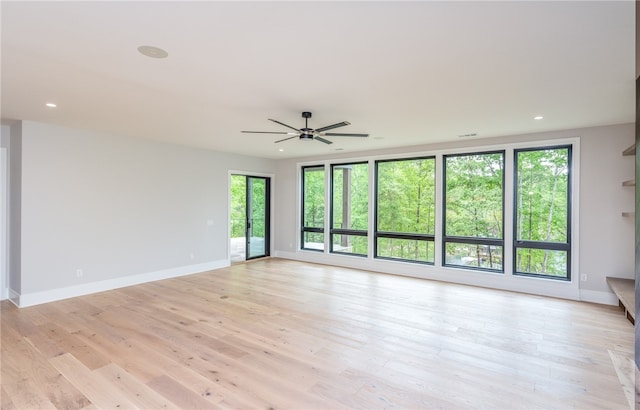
(474,255)
(406,249)
(349,207)
(474,195)
(474,198)
(313,194)
(405,209)
(542,262)
(354,244)
(313,240)
(542,212)
(350,196)
(406,196)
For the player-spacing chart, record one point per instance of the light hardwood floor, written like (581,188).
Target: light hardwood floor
(276,334)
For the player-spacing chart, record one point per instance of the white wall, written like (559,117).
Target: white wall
(4,210)
(100,211)
(605,242)
(14,199)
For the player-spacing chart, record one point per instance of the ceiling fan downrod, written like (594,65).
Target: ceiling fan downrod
(306,132)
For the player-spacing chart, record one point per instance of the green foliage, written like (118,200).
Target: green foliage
(474,202)
(542,261)
(542,200)
(350,206)
(350,244)
(351,196)
(238,205)
(257,192)
(479,256)
(474,195)
(406,196)
(406,249)
(542,190)
(313,197)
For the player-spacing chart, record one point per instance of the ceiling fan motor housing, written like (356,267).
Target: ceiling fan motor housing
(306,133)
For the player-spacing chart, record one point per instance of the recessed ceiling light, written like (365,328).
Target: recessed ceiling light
(539,117)
(51,105)
(281,149)
(153,52)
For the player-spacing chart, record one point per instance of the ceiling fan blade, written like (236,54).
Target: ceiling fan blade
(330,127)
(334,134)
(322,140)
(284,139)
(283,124)
(265,132)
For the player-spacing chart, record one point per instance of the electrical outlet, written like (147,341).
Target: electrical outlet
(79,273)
(583,277)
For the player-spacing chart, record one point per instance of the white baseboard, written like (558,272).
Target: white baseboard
(36,298)
(603,298)
(534,286)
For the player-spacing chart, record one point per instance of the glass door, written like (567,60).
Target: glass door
(257,218)
(250,198)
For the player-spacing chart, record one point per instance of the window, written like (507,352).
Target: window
(542,212)
(470,217)
(313,208)
(405,209)
(349,208)
(473,211)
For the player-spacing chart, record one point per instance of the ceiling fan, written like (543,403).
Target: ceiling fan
(307,133)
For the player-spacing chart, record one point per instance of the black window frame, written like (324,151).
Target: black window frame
(400,235)
(343,231)
(445,239)
(304,229)
(552,246)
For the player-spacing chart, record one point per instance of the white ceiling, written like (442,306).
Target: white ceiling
(407,73)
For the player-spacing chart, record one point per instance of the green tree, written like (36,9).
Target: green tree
(406,204)
(474,203)
(238,205)
(314,197)
(350,205)
(542,208)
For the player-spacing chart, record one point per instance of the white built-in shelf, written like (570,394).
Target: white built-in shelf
(631,182)
(630,151)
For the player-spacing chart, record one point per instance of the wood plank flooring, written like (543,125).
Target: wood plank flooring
(278,334)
